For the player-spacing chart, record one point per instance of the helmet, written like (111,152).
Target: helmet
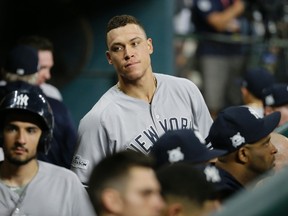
(34,103)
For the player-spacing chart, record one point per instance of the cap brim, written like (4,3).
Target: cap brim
(209,155)
(271,121)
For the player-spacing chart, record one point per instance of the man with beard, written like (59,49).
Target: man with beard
(29,186)
(21,71)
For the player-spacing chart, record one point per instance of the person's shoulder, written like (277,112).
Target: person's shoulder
(175,82)
(51,91)
(54,171)
(172,78)
(228,180)
(104,106)
(57,106)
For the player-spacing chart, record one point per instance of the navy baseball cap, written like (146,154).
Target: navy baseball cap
(276,95)
(236,126)
(223,183)
(22,60)
(256,80)
(182,146)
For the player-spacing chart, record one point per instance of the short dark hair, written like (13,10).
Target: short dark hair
(122,20)
(184,181)
(37,42)
(111,171)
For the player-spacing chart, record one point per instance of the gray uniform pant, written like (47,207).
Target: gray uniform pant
(221,80)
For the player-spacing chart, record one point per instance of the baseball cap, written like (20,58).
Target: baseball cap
(236,126)
(276,95)
(22,60)
(223,183)
(182,146)
(255,80)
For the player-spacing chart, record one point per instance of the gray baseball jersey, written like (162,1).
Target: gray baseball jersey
(53,191)
(118,121)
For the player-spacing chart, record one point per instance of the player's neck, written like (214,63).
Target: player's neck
(14,176)
(144,91)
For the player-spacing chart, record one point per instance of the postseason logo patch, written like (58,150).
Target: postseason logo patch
(237,140)
(80,163)
(212,174)
(22,100)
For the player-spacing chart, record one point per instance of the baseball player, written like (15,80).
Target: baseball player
(251,154)
(29,186)
(125,184)
(141,107)
(20,71)
(45,49)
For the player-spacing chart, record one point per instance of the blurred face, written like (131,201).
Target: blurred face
(129,51)
(20,142)
(261,155)
(46,63)
(141,197)
(281,143)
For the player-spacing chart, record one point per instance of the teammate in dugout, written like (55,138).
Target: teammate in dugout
(142,106)
(125,184)
(29,186)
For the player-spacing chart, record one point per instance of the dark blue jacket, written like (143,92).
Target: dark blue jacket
(211,41)
(224,184)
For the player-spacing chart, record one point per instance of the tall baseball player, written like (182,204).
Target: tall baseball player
(141,107)
(29,186)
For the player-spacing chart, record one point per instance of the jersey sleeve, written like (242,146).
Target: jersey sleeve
(81,201)
(92,146)
(202,118)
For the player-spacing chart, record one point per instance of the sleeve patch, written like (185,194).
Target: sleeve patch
(79,162)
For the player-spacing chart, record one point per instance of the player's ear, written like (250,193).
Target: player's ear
(112,201)
(108,57)
(268,110)
(242,155)
(175,209)
(244,91)
(150,45)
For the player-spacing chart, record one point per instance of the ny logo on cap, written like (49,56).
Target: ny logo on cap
(20,71)
(237,140)
(175,155)
(269,100)
(212,174)
(22,100)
